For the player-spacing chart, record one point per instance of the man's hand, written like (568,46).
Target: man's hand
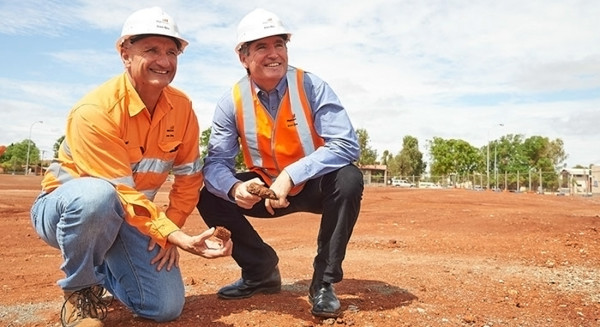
(242,197)
(166,256)
(199,244)
(281,186)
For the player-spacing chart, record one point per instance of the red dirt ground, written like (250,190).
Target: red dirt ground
(426,257)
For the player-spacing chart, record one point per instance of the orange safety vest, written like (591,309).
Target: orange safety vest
(110,135)
(271,144)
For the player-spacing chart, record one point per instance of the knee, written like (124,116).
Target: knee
(161,310)
(168,310)
(100,196)
(96,199)
(164,302)
(350,181)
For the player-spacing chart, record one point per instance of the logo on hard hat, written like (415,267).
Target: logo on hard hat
(163,24)
(268,23)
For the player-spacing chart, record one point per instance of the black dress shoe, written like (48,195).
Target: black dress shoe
(324,301)
(244,288)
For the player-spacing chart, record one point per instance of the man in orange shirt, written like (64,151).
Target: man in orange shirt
(122,140)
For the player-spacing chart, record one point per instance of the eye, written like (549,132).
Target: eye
(172,53)
(151,51)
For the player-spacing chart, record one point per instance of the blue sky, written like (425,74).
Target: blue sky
(452,69)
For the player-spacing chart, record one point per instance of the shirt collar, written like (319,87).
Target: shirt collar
(280,88)
(136,105)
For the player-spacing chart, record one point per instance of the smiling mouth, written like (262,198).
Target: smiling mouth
(163,72)
(275,64)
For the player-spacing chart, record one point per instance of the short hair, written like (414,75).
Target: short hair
(245,48)
(135,38)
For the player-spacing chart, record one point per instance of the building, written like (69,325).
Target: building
(374,174)
(581,181)
(595,181)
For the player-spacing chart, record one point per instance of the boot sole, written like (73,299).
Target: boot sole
(264,290)
(323,314)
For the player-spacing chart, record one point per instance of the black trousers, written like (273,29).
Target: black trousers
(336,196)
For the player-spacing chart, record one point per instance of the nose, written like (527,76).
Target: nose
(163,59)
(272,52)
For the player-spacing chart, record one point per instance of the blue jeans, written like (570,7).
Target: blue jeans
(85,220)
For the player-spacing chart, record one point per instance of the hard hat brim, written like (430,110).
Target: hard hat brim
(238,47)
(124,38)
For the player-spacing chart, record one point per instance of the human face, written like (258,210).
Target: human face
(267,61)
(151,62)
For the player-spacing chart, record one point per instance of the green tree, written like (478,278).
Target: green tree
(511,156)
(547,156)
(515,156)
(388,160)
(15,156)
(511,159)
(385,157)
(410,159)
(454,157)
(557,152)
(56,145)
(368,156)
(205,137)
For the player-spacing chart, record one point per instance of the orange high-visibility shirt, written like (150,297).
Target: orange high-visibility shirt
(111,135)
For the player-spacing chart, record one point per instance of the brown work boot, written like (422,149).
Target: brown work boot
(103,294)
(83,308)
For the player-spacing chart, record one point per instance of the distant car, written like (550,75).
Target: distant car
(428,185)
(401,183)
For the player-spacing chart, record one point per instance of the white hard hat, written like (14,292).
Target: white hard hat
(257,24)
(150,21)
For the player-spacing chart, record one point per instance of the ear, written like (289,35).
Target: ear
(243,60)
(125,57)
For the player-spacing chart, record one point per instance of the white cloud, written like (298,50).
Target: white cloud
(453,69)
(26,17)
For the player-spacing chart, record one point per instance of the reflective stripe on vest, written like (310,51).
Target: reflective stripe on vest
(270,144)
(144,166)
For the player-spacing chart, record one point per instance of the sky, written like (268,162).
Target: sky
(455,69)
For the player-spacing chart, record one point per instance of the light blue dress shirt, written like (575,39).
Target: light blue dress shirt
(331,122)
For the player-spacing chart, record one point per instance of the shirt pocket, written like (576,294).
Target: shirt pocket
(169,150)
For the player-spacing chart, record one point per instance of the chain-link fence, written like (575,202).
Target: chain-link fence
(513,182)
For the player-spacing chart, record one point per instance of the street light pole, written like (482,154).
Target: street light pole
(495,167)
(428,161)
(487,169)
(29,146)
(488,160)
(495,161)
(530,170)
